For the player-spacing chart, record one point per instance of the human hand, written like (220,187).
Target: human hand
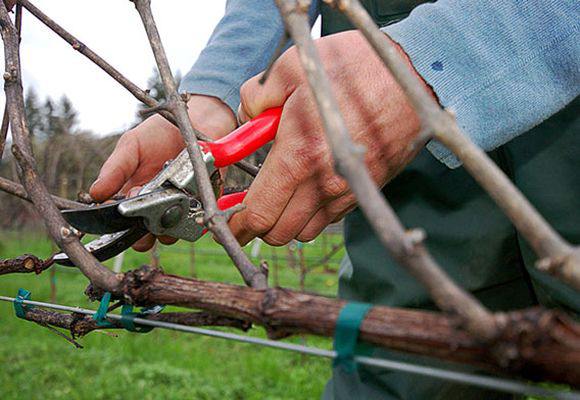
(297,192)
(142,151)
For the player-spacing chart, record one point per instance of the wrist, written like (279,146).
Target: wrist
(211,116)
(407,59)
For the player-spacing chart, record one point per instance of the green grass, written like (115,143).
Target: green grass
(162,364)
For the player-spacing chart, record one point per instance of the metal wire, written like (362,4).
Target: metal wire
(487,382)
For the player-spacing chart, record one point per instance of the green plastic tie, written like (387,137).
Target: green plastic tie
(346,334)
(128,317)
(19,307)
(101,315)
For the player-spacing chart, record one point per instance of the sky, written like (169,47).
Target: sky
(113,30)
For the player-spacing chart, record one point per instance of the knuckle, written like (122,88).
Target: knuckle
(127,138)
(307,236)
(244,94)
(246,89)
(247,93)
(309,154)
(334,187)
(257,222)
(276,239)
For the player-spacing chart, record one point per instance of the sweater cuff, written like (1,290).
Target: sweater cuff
(497,90)
(208,83)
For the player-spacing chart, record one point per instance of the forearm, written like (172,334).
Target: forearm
(239,48)
(501,67)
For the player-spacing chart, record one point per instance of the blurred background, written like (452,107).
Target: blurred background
(76,113)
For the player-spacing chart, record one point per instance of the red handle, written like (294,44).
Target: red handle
(246,139)
(230,200)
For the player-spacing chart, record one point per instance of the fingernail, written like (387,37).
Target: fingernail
(94,183)
(133,192)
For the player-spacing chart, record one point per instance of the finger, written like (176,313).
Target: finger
(265,201)
(168,240)
(269,193)
(117,170)
(256,98)
(144,244)
(333,212)
(133,191)
(303,205)
(315,226)
(287,166)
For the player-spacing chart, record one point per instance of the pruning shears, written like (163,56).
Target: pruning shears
(169,204)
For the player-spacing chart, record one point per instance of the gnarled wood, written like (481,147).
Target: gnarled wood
(81,325)
(534,343)
(24,264)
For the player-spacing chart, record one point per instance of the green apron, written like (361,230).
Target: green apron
(467,234)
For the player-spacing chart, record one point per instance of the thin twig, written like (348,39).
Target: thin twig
(59,230)
(62,335)
(4,130)
(545,241)
(79,46)
(324,260)
(284,40)
(15,189)
(5,119)
(250,273)
(140,94)
(152,110)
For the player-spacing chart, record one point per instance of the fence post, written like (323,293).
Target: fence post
(154,253)
(192,271)
(118,265)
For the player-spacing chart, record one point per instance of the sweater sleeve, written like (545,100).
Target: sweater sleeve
(240,47)
(501,66)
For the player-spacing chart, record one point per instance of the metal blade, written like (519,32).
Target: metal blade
(100,220)
(107,246)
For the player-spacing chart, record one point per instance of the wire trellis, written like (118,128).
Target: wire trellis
(487,382)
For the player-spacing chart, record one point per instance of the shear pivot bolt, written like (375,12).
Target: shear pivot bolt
(171,216)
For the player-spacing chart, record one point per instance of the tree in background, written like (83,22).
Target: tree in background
(66,117)
(51,118)
(33,112)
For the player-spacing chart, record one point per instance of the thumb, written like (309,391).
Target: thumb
(284,77)
(117,170)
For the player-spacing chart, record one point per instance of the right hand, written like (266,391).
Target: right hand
(142,151)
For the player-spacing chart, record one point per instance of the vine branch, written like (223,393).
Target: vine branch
(59,230)
(15,189)
(253,276)
(80,325)
(5,118)
(24,264)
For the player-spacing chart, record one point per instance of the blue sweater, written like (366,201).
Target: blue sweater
(502,66)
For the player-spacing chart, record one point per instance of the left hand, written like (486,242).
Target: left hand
(297,192)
